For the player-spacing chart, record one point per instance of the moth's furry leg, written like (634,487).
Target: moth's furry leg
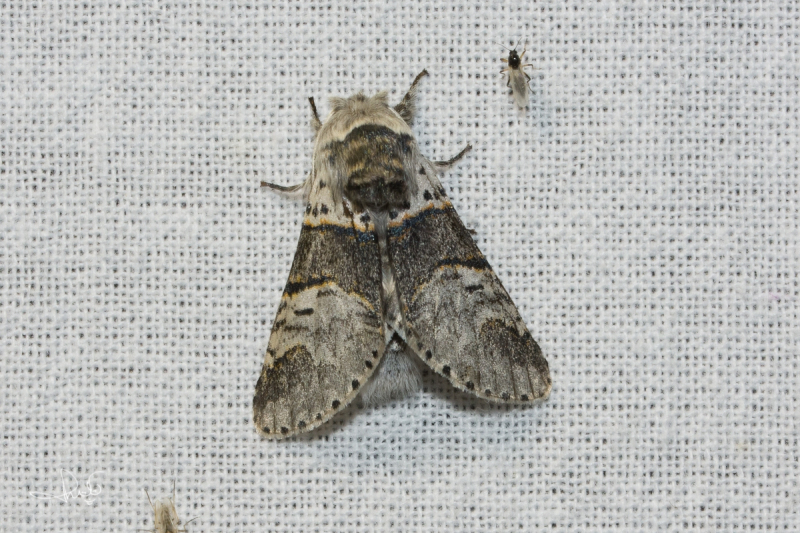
(316,123)
(295,192)
(408,105)
(444,165)
(396,377)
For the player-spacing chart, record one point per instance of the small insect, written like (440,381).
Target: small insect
(385,273)
(166,517)
(517,77)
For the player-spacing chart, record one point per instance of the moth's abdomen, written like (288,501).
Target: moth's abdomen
(374,159)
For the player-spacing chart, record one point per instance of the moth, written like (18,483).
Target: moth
(517,77)
(384,273)
(165,517)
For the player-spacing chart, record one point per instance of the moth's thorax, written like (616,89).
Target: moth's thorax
(513,59)
(369,153)
(375,161)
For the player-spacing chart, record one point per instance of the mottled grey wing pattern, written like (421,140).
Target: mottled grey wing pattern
(328,334)
(464,324)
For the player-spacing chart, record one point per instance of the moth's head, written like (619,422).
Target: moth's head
(347,113)
(513,59)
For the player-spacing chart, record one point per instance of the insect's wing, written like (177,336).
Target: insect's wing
(328,334)
(462,322)
(165,516)
(519,86)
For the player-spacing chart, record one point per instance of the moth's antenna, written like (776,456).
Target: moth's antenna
(151,501)
(173,492)
(316,123)
(500,45)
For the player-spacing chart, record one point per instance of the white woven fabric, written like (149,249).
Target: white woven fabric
(643,215)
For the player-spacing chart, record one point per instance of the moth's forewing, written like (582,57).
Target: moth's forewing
(465,325)
(327,337)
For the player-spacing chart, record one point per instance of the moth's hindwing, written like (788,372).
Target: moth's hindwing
(328,335)
(464,323)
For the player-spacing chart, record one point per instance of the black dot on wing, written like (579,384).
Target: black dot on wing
(470,385)
(446,370)
(505,396)
(301,424)
(524,397)
(422,170)
(355,384)
(368,364)
(322,184)
(319,416)
(427,195)
(314,211)
(284,430)
(265,429)
(428,354)
(335,404)
(392,215)
(374,354)
(488,392)
(308,209)
(365,218)
(323,209)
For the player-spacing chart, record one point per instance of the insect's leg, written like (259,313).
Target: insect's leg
(444,165)
(523,71)
(408,105)
(183,529)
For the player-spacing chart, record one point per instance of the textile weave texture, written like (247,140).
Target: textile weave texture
(642,213)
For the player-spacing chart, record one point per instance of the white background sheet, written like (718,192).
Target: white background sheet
(642,213)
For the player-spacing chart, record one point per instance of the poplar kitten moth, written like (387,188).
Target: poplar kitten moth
(384,272)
